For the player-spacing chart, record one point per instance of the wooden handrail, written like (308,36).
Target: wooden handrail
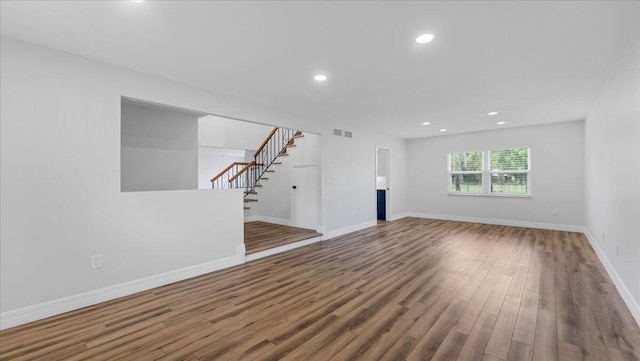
(227,169)
(266,140)
(244,169)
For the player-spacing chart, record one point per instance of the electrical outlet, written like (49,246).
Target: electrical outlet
(555,212)
(96,261)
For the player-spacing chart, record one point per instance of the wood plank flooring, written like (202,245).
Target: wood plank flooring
(259,236)
(412,289)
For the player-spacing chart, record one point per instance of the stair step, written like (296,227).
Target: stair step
(264,178)
(258,185)
(276,163)
(269,170)
(252,192)
(290,145)
(245,208)
(297,136)
(246,200)
(283,155)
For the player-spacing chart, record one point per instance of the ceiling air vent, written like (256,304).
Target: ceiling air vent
(337,132)
(348,134)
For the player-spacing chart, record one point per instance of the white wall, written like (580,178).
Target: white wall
(556,178)
(612,174)
(349,177)
(274,197)
(230,133)
(60,185)
(212,160)
(159,149)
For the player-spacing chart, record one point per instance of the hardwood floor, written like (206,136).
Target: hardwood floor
(411,289)
(259,236)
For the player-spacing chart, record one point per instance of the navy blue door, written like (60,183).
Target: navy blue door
(382,206)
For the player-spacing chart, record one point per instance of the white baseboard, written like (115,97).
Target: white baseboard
(241,253)
(250,218)
(71,303)
(345,230)
(501,222)
(280,249)
(280,221)
(395,217)
(627,297)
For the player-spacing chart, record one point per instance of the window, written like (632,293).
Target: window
(510,171)
(491,172)
(465,171)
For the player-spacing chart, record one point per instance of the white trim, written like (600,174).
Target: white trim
(486,174)
(627,297)
(283,248)
(241,252)
(318,192)
(250,218)
(345,230)
(510,195)
(502,222)
(387,194)
(280,221)
(395,217)
(51,308)
(71,303)
(624,292)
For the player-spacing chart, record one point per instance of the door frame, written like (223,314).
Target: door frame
(317,227)
(387,201)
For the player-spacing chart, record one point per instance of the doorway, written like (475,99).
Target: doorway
(304,196)
(383,172)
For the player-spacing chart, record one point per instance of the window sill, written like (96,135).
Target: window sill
(492,195)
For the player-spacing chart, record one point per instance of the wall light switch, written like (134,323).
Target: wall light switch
(96,261)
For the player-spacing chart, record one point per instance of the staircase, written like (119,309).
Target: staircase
(250,175)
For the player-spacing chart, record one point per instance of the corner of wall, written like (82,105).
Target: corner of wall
(626,295)
(350,229)
(51,308)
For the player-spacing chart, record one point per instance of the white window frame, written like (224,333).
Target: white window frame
(451,173)
(486,175)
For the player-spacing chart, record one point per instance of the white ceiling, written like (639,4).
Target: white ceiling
(533,62)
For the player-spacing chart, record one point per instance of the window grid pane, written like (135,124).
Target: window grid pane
(509,183)
(466,161)
(466,183)
(515,159)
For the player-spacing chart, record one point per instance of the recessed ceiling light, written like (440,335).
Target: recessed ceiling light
(424,38)
(492,113)
(443,130)
(320,77)
(501,123)
(426,123)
